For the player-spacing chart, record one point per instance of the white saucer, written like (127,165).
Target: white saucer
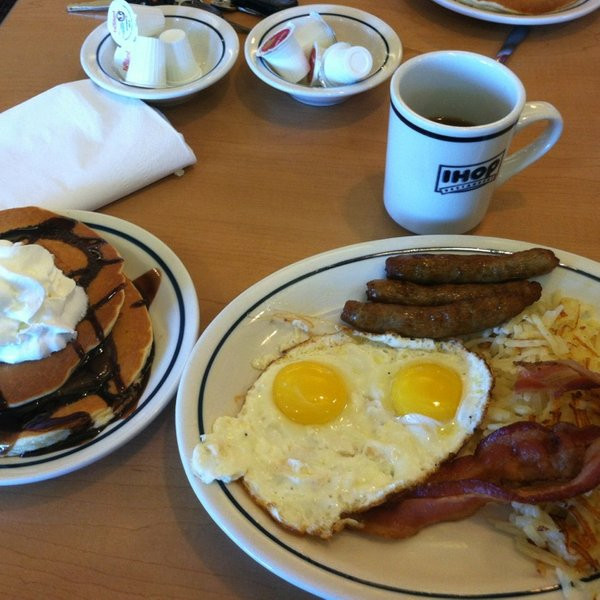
(350,25)
(214,43)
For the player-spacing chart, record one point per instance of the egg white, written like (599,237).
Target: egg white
(310,478)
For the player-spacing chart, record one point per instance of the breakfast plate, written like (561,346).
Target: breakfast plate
(175,319)
(214,43)
(467,559)
(575,11)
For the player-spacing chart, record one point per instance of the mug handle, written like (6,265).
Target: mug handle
(532,113)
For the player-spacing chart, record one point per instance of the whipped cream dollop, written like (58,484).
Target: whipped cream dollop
(39,306)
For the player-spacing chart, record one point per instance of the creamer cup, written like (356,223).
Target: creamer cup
(181,64)
(147,63)
(344,64)
(315,61)
(284,54)
(121,60)
(313,30)
(126,21)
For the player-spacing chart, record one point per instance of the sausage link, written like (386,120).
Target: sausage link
(470,268)
(395,291)
(448,320)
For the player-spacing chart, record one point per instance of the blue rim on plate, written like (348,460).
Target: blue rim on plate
(456,551)
(582,8)
(176,301)
(96,57)
(107,39)
(375,34)
(265,34)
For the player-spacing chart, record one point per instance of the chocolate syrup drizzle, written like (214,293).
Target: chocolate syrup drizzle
(61,229)
(98,369)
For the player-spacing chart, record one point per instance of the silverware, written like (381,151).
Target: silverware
(212,8)
(515,36)
(90,5)
(87,6)
(260,8)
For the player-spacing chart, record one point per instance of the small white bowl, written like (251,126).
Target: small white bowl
(350,25)
(215,46)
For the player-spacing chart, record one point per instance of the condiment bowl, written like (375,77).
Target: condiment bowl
(350,25)
(214,43)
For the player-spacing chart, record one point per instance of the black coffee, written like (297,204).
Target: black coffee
(453,121)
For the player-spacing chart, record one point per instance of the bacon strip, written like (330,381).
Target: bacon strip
(557,376)
(560,462)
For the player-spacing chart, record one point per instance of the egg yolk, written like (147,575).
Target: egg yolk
(428,389)
(309,393)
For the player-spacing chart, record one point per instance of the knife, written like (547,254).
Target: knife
(258,7)
(515,36)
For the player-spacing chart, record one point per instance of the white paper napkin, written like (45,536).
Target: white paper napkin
(78,146)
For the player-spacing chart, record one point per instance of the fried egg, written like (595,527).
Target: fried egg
(342,421)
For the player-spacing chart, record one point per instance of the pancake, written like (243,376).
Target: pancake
(95,265)
(132,339)
(106,387)
(525,7)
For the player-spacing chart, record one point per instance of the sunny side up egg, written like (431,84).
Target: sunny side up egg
(340,422)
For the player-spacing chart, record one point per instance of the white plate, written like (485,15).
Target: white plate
(175,319)
(466,559)
(214,43)
(350,25)
(581,9)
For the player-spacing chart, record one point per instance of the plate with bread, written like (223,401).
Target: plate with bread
(321,456)
(522,12)
(71,392)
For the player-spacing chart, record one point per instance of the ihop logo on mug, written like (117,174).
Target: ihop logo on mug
(452,179)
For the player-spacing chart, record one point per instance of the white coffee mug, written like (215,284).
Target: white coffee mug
(452,117)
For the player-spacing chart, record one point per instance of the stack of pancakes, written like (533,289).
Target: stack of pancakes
(99,376)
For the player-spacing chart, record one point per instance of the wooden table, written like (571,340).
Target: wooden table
(275,182)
